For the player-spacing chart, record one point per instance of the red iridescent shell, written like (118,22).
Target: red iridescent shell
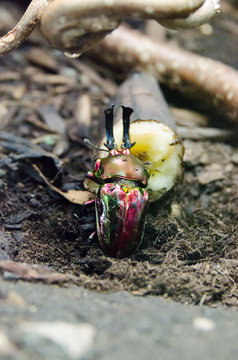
(121,213)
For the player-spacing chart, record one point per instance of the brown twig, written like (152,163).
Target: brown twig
(75,26)
(212,83)
(22,30)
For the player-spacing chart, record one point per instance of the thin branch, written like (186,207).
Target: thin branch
(22,30)
(75,26)
(212,83)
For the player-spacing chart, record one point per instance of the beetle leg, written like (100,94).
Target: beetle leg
(89,202)
(91,175)
(92,237)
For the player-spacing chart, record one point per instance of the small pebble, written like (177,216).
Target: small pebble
(234,158)
(176,211)
(2,173)
(211,173)
(203,324)
(16,299)
(34,203)
(206,29)
(71,340)
(6,347)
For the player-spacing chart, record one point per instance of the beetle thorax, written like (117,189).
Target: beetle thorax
(123,166)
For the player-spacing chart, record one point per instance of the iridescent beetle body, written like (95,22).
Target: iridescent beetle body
(122,201)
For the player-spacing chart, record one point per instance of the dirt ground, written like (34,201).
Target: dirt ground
(189,253)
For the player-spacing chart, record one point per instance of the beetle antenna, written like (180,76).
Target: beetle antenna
(109,128)
(88,142)
(126,113)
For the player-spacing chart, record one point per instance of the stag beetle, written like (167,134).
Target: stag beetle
(122,200)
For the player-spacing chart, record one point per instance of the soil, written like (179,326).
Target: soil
(189,253)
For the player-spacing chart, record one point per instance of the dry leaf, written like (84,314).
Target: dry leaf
(74,196)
